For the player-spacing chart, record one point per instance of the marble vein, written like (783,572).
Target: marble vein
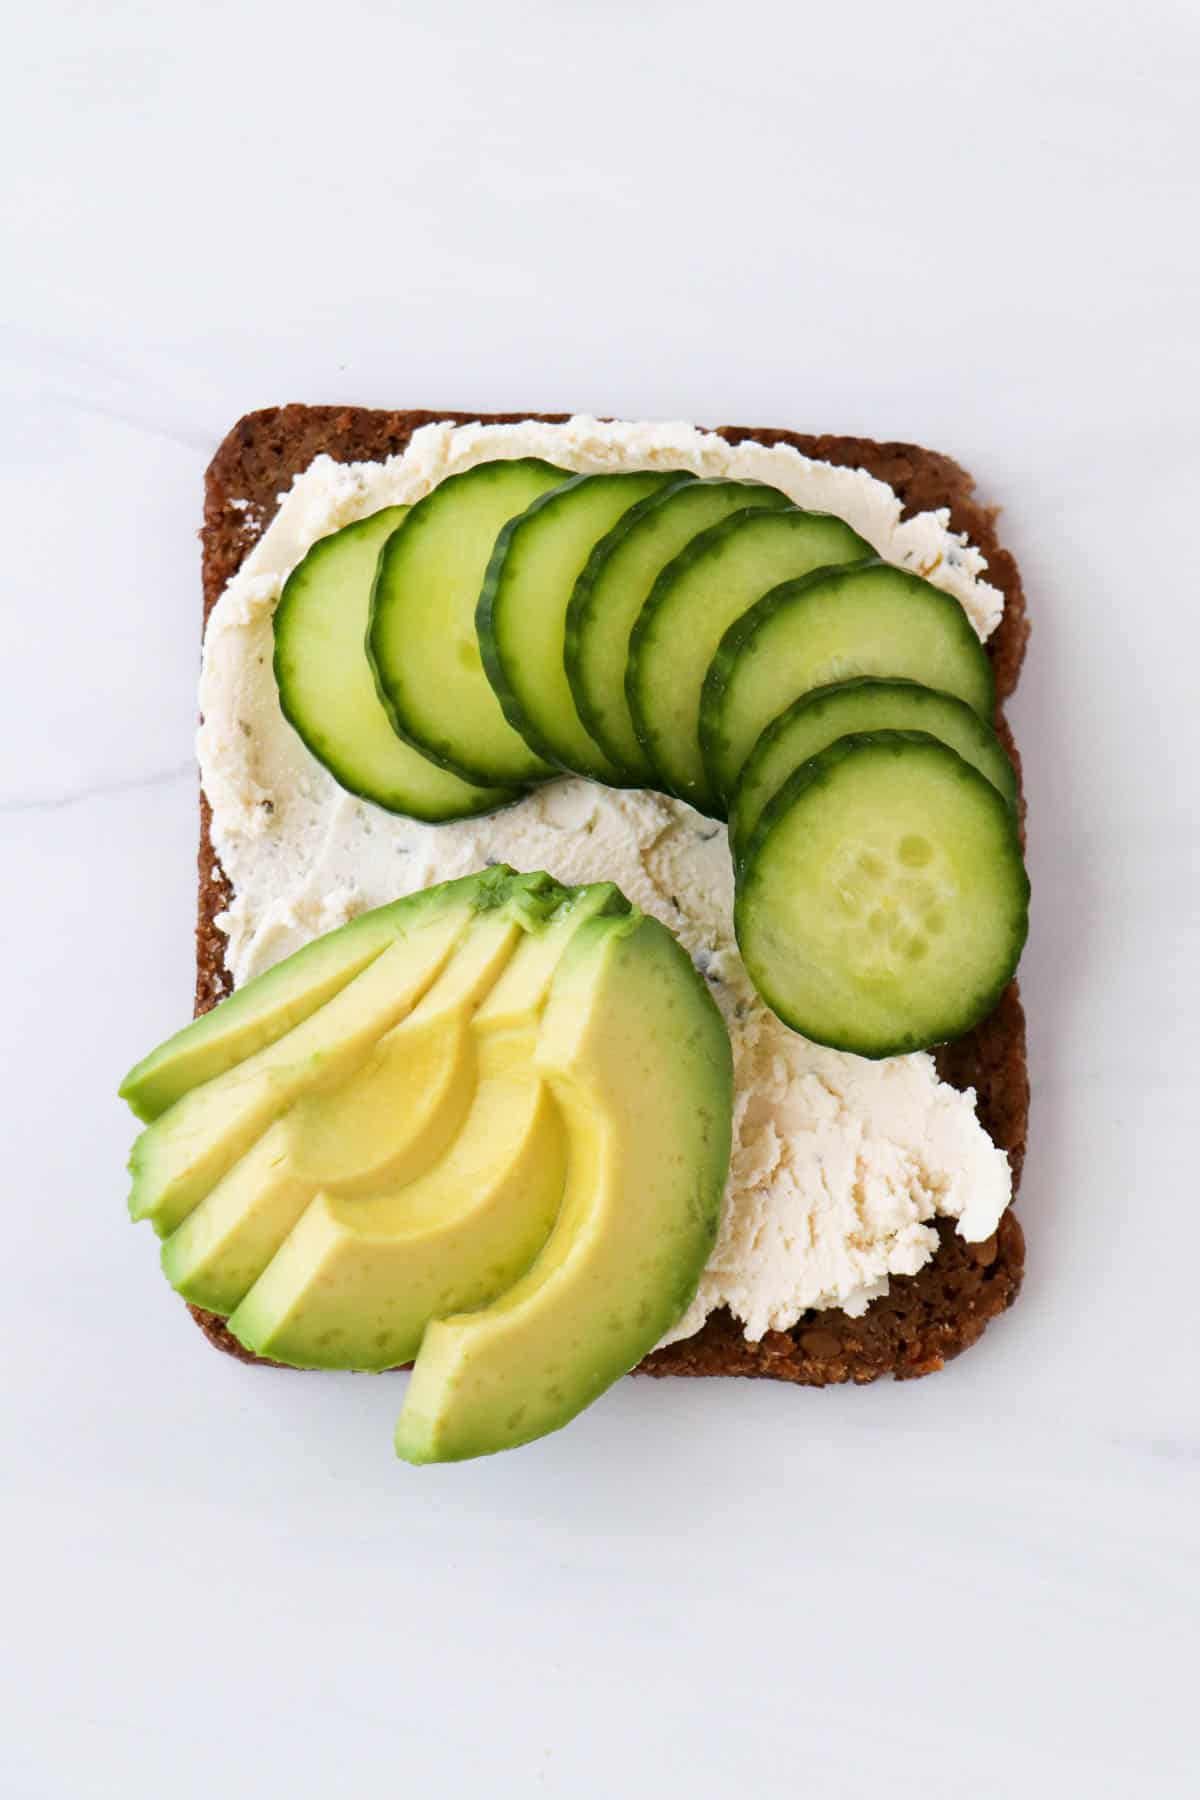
(190,440)
(104,790)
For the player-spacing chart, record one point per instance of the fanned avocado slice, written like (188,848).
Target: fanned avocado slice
(393,1115)
(261,1012)
(182,1156)
(500,1146)
(637,1057)
(362,1274)
(368,976)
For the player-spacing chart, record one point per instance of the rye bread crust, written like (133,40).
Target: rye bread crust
(927,1318)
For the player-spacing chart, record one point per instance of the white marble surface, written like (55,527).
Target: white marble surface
(973,227)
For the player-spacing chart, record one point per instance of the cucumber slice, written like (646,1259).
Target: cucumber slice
(818,719)
(521,616)
(883,903)
(837,623)
(614,587)
(421,640)
(697,597)
(327,691)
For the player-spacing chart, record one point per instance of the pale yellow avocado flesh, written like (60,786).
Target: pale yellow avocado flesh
(386,1123)
(258,1015)
(357,1282)
(521,1106)
(361,1275)
(639,1063)
(404,1104)
(214,1257)
(185,1152)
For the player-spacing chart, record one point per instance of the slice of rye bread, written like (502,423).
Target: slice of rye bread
(926,1318)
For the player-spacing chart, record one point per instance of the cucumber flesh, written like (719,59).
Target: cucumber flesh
(615,585)
(327,691)
(694,601)
(883,903)
(836,624)
(521,617)
(421,640)
(818,719)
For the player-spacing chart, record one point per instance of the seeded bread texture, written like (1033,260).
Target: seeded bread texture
(927,1318)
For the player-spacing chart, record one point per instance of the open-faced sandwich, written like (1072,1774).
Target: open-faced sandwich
(611,888)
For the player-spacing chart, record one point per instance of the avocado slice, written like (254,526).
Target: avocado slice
(356,1138)
(260,1013)
(637,1058)
(356,1282)
(185,1151)
(499,1147)
(361,1275)
(350,1138)
(217,1253)
(273,1004)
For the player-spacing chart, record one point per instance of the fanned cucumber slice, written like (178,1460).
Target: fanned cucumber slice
(693,602)
(818,719)
(883,904)
(327,691)
(421,639)
(615,585)
(835,624)
(521,616)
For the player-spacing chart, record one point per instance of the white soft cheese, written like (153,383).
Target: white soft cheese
(839,1164)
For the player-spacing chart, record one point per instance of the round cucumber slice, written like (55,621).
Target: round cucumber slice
(327,691)
(818,719)
(834,624)
(615,585)
(521,616)
(421,640)
(882,903)
(697,597)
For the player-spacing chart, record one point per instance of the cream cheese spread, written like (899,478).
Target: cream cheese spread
(840,1165)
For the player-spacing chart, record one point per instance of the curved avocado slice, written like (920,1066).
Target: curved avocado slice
(362,1273)
(637,1057)
(521,1105)
(188,1148)
(221,1248)
(274,1003)
(356,1283)
(260,1013)
(185,1152)
(351,1137)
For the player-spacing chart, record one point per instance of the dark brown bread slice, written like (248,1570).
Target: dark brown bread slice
(928,1317)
